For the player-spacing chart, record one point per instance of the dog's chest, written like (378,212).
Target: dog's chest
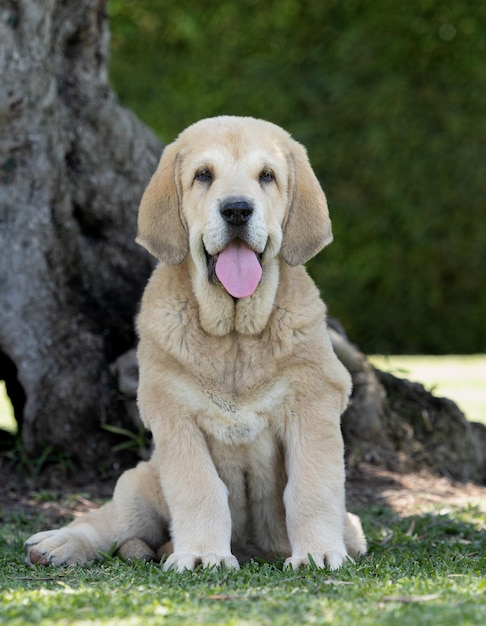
(235,385)
(241,418)
(240,391)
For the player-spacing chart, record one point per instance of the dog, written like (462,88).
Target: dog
(239,383)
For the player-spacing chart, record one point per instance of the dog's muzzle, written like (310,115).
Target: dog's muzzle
(237,265)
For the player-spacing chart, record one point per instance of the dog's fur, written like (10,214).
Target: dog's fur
(243,395)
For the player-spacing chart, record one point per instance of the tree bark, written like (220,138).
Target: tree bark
(73,165)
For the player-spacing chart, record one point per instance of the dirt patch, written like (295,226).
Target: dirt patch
(51,496)
(410,493)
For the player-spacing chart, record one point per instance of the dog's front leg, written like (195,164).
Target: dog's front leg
(196,496)
(314,495)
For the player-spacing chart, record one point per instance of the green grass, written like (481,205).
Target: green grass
(425,569)
(460,378)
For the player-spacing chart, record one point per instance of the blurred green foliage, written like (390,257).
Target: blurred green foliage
(390,99)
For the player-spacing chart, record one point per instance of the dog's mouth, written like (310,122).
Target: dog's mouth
(237,267)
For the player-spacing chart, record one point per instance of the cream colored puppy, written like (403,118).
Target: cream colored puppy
(239,383)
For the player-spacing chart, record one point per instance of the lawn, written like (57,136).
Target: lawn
(426,568)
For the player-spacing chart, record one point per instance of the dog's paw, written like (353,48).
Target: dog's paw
(181,561)
(332,559)
(58,547)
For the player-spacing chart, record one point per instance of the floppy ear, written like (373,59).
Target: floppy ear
(160,227)
(307,228)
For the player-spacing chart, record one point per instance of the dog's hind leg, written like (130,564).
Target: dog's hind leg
(137,511)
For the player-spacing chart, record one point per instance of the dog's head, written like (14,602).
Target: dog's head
(235,192)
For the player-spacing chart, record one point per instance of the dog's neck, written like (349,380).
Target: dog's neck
(221,314)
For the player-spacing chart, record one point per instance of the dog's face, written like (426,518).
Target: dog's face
(235,193)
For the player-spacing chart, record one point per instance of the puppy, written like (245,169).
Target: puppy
(239,383)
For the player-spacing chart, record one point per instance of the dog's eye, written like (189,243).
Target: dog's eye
(266,176)
(203,175)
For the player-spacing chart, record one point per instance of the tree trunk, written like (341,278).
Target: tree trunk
(73,165)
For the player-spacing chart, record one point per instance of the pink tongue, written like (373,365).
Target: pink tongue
(238,269)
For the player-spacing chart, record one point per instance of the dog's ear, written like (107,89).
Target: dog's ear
(307,228)
(161,229)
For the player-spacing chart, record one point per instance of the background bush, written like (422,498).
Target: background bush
(389,98)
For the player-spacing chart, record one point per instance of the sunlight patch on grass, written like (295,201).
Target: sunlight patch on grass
(7,419)
(460,378)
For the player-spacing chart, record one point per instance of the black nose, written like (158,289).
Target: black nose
(236,213)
